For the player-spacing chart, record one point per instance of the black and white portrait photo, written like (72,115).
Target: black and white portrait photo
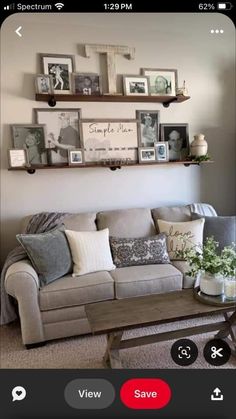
(32,139)
(62,131)
(147,155)
(177,136)
(87,84)
(44,84)
(162,81)
(135,85)
(60,68)
(162,151)
(148,127)
(76,157)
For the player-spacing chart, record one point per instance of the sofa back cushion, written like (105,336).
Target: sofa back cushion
(84,221)
(176,213)
(131,223)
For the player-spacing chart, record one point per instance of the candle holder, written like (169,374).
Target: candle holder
(230,288)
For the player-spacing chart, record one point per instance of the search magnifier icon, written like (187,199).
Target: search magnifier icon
(18,393)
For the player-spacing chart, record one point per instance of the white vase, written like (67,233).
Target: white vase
(199,146)
(211,284)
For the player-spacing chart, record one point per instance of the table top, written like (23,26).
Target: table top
(108,316)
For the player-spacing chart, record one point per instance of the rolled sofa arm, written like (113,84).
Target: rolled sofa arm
(22,283)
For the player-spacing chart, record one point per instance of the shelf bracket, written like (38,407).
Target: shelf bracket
(113,168)
(52,101)
(31,171)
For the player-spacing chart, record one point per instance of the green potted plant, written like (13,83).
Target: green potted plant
(212,266)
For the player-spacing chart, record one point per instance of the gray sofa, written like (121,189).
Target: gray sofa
(57,310)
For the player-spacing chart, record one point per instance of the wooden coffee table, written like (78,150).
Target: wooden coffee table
(113,317)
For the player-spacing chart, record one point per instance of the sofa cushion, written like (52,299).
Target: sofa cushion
(141,251)
(90,251)
(69,291)
(134,222)
(182,235)
(223,229)
(178,214)
(143,280)
(49,254)
(81,222)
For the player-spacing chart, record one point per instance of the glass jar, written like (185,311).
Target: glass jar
(230,288)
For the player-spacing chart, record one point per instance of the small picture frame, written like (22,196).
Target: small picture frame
(163,82)
(60,67)
(87,84)
(44,84)
(76,157)
(17,158)
(136,85)
(147,155)
(162,151)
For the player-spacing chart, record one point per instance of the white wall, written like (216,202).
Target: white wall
(183,42)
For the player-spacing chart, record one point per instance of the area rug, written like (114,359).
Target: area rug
(87,351)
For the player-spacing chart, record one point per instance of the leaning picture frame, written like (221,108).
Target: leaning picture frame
(17,158)
(136,85)
(76,157)
(31,137)
(44,84)
(163,82)
(177,136)
(87,84)
(148,127)
(62,131)
(60,67)
(147,155)
(162,151)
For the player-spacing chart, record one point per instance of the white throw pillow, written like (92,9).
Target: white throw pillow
(90,251)
(182,236)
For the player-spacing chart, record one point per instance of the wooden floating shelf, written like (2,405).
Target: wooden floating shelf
(165,100)
(32,169)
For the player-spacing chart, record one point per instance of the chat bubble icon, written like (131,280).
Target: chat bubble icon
(18,393)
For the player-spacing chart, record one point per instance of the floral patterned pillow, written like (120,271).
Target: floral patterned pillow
(139,251)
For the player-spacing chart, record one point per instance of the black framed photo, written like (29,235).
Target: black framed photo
(87,84)
(163,82)
(32,139)
(76,157)
(136,85)
(147,155)
(148,127)
(177,136)
(60,67)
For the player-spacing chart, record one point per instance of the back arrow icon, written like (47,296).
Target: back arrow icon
(17,31)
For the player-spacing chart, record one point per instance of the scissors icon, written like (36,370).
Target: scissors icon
(216,352)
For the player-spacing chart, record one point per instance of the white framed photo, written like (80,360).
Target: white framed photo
(60,67)
(163,82)
(76,157)
(136,85)
(162,151)
(44,84)
(17,158)
(147,155)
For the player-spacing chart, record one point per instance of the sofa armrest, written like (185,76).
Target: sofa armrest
(22,283)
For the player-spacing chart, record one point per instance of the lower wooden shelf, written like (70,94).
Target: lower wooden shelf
(32,169)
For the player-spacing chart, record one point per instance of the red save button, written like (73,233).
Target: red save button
(145,393)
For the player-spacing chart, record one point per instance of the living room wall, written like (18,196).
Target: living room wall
(181,42)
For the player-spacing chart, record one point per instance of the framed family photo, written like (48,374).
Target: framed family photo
(76,157)
(147,155)
(177,136)
(62,131)
(148,127)
(60,67)
(87,84)
(162,151)
(136,85)
(163,82)
(32,139)
(44,84)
